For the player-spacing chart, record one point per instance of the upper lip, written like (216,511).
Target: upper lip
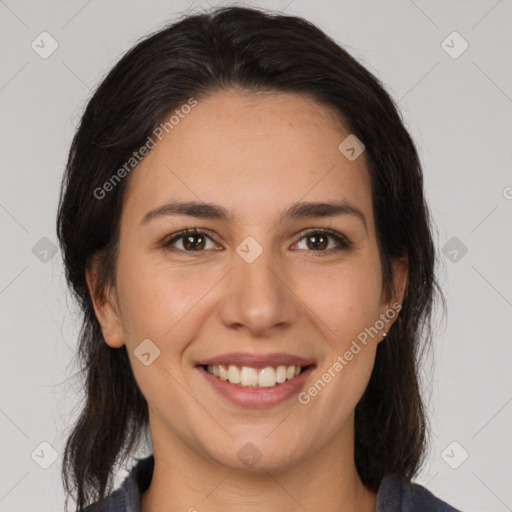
(256,360)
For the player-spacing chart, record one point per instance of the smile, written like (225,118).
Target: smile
(256,380)
(246,376)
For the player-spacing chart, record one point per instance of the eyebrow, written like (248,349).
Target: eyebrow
(300,210)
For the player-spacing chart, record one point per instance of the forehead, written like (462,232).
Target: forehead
(255,153)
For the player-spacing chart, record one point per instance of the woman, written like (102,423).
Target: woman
(243,222)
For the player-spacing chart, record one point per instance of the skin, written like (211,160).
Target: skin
(255,154)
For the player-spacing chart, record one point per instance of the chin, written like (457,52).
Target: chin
(257,453)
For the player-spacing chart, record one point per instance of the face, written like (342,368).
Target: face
(265,283)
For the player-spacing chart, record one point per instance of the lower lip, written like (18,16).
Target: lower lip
(258,397)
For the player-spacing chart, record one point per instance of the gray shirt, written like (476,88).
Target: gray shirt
(396,494)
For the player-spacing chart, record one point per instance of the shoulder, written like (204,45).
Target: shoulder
(127,497)
(115,502)
(398,494)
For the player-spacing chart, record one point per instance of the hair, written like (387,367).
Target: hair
(251,50)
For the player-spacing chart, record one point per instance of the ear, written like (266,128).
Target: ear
(400,268)
(105,306)
(400,274)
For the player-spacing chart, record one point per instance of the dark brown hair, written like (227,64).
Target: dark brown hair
(252,50)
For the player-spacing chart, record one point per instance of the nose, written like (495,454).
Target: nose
(259,297)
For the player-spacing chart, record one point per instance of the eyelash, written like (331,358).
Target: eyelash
(343,243)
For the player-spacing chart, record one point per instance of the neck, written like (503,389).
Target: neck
(186,480)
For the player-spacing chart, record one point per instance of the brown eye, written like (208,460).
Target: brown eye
(319,240)
(191,240)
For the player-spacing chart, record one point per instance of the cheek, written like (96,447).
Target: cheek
(160,304)
(155,299)
(346,299)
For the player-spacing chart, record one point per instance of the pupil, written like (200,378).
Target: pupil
(189,244)
(316,245)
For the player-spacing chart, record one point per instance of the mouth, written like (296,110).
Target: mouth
(250,377)
(256,381)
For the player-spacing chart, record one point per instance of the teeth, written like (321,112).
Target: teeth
(248,376)
(267,377)
(223,372)
(251,377)
(233,374)
(281,374)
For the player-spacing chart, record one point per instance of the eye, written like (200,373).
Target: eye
(318,240)
(191,240)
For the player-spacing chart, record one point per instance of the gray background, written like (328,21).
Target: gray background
(459,111)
